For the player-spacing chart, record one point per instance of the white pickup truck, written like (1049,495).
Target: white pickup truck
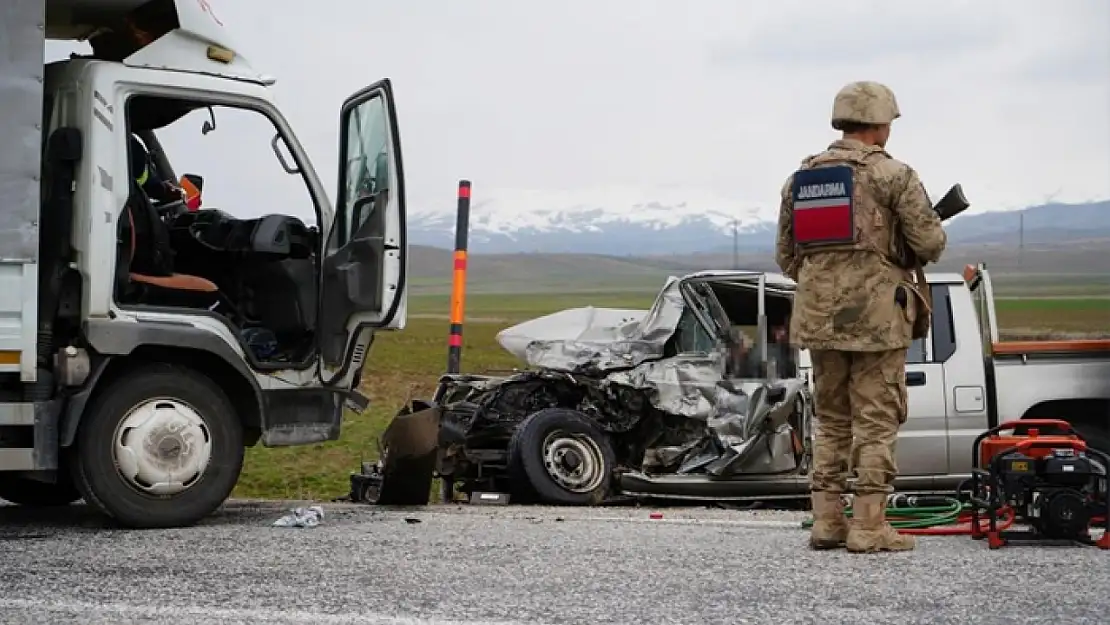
(964,379)
(146,339)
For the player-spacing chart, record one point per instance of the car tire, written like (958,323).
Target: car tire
(562,457)
(34,494)
(150,423)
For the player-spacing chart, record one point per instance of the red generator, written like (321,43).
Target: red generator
(1041,475)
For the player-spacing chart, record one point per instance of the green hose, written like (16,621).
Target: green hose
(916,517)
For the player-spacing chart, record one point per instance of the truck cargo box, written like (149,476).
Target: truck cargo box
(22,42)
(21,72)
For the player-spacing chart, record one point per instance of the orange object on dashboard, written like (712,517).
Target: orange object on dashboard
(192,194)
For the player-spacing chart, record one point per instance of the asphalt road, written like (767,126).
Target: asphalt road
(521,565)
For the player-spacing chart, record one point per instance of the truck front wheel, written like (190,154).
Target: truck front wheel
(161,446)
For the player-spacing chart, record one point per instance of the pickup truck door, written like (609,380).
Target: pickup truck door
(362,279)
(923,438)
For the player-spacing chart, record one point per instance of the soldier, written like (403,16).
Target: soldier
(847,218)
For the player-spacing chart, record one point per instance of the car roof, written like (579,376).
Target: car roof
(780,280)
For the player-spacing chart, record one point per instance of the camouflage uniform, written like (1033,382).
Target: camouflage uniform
(854,310)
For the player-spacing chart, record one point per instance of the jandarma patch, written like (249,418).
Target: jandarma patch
(823,206)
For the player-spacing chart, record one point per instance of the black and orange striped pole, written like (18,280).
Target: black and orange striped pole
(458,285)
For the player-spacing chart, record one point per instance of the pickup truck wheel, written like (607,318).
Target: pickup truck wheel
(160,447)
(563,457)
(1094,431)
(34,494)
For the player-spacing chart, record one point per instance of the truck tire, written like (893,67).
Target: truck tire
(34,494)
(563,457)
(160,447)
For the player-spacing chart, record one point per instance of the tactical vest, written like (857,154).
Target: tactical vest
(835,204)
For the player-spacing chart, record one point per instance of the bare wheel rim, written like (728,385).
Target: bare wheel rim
(573,461)
(162,447)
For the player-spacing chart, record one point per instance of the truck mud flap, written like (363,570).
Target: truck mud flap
(409,447)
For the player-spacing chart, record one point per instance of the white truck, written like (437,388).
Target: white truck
(144,342)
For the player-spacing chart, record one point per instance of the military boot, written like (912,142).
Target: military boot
(830,527)
(870,531)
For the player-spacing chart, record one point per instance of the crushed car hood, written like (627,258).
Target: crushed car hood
(626,347)
(596,339)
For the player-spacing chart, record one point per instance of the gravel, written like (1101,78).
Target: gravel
(471,564)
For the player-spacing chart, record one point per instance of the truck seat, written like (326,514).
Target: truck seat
(149,256)
(165,280)
(149,260)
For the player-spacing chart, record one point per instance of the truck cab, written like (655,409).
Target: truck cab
(147,337)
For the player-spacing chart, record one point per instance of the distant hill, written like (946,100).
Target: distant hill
(1049,246)
(1046,225)
(1048,270)
(636,227)
(431,271)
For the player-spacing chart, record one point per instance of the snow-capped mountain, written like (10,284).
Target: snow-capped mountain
(615,222)
(630,223)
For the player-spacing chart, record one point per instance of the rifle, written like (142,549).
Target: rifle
(953,203)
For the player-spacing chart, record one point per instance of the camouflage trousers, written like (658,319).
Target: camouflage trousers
(860,395)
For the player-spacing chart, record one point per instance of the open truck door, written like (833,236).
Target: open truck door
(363,271)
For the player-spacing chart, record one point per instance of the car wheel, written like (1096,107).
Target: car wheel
(562,457)
(34,494)
(159,447)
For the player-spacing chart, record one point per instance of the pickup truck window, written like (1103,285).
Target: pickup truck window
(943,333)
(944,326)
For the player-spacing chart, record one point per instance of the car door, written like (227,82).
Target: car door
(362,277)
(923,439)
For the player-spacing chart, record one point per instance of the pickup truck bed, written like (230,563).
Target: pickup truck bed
(1055,379)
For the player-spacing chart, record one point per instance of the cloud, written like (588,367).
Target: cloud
(817,36)
(721,97)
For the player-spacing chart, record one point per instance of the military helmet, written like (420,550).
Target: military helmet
(864,102)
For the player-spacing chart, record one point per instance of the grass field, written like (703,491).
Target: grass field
(406,364)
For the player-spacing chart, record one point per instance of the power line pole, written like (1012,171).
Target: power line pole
(735,243)
(1021,239)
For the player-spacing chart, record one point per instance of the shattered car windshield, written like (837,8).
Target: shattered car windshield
(701,296)
(690,335)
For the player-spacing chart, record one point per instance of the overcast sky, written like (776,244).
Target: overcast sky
(718,97)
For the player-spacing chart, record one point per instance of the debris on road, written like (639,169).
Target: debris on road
(302,517)
(489,499)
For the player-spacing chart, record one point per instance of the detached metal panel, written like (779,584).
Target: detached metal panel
(22,38)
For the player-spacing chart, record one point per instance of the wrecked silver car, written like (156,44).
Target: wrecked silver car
(699,397)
